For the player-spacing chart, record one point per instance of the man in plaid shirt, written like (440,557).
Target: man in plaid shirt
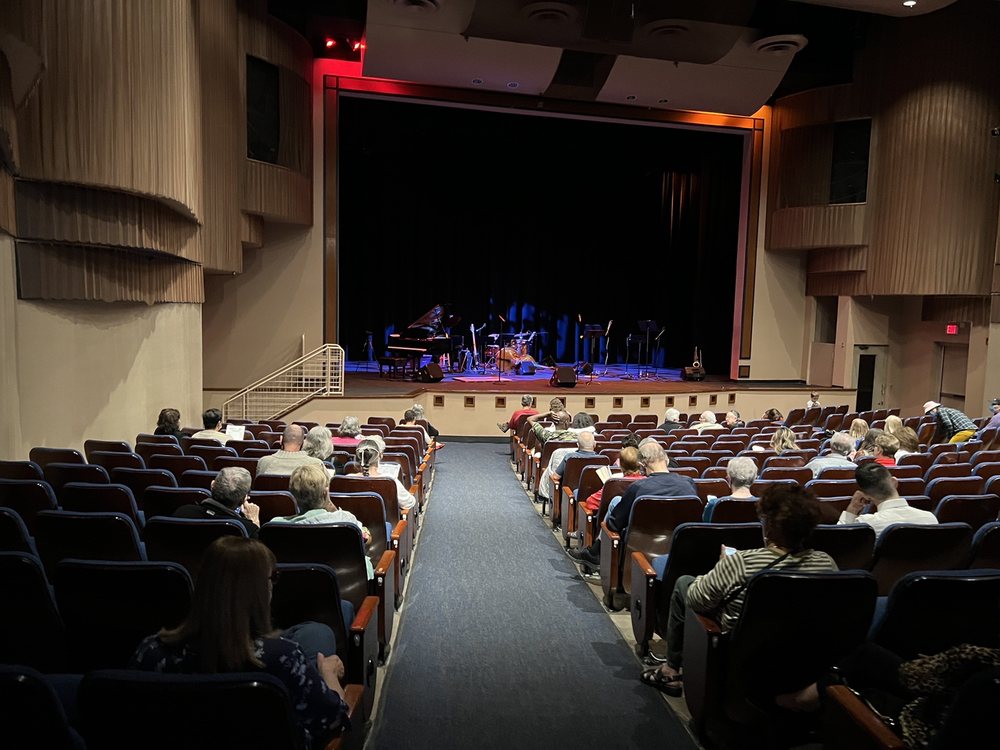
(952,425)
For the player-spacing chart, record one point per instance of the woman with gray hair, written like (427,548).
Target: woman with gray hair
(348,434)
(418,412)
(741,473)
(318,442)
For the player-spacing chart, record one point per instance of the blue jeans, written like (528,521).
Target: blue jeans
(313,638)
(611,506)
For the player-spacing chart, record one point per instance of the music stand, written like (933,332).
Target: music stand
(648,327)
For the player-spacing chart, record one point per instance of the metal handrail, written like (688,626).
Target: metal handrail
(318,373)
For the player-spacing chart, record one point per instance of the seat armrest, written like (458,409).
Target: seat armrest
(704,678)
(384,585)
(643,601)
(567,491)
(353,737)
(848,723)
(362,656)
(610,566)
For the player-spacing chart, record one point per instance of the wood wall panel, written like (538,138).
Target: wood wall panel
(60,272)
(69,214)
(818,226)
(268,39)
(251,230)
(276,193)
(975,310)
(8,222)
(8,119)
(223,119)
(835,284)
(117,105)
(838,260)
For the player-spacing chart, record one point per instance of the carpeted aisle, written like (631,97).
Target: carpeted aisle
(501,644)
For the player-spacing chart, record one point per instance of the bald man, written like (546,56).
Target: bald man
(291,456)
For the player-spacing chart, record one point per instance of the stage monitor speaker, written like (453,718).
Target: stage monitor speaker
(563,377)
(525,368)
(430,373)
(693,373)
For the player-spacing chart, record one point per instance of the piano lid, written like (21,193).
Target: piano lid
(427,325)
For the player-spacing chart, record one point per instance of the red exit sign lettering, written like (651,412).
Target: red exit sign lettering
(951,329)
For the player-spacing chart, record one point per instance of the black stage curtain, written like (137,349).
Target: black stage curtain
(547,222)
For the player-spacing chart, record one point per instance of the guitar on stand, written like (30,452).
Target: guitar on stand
(475,349)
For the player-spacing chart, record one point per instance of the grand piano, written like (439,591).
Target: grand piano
(425,335)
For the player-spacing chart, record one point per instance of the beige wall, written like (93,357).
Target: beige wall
(76,370)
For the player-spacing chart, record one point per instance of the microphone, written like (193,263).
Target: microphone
(502,318)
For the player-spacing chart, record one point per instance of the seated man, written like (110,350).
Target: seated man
(741,473)
(212,419)
(706,421)
(885,449)
(878,487)
(291,456)
(952,425)
(553,473)
(518,416)
(841,447)
(788,514)
(230,501)
(559,431)
(733,420)
(659,482)
(310,486)
(671,420)
(410,420)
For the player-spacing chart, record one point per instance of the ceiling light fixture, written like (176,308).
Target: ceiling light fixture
(330,43)
(909,3)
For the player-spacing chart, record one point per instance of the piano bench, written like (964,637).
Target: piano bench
(393,363)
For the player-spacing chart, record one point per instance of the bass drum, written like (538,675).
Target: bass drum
(507,359)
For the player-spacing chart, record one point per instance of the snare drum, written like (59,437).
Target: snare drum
(492,351)
(520,347)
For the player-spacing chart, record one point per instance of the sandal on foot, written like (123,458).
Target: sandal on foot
(668,685)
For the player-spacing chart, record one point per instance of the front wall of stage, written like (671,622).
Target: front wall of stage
(546,223)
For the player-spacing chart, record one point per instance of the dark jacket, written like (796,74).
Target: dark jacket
(215,510)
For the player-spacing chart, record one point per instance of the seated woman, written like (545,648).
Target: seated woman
(866,447)
(741,473)
(788,515)
(368,455)
(783,440)
(348,434)
(908,443)
(318,443)
(168,423)
(628,462)
(229,630)
(774,416)
(859,428)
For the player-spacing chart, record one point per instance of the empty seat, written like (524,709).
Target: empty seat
(734,510)
(14,536)
(109,607)
(975,510)
(850,545)
(243,462)
(210,453)
(939,488)
(904,548)
(832,487)
(986,547)
(43,456)
(184,540)
(148,450)
(31,631)
(58,474)
(164,501)
(176,465)
(798,475)
(81,497)
(273,504)
(187,443)
(104,446)
(948,470)
(138,480)
(241,446)
(63,534)
(20,470)
(200,479)
(31,714)
(116,460)
(146,437)
(27,498)
(271,482)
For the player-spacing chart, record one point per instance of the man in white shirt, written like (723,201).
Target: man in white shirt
(877,486)
(841,445)
(212,419)
(706,421)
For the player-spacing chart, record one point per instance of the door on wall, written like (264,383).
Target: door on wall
(954,370)
(869,375)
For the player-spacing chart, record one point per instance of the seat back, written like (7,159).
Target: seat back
(986,547)
(794,626)
(116,460)
(735,510)
(200,479)
(148,437)
(272,482)
(923,460)
(58,474)
(251,711)
(31,714)
(212,453)
(850,545)
(403,459)
(367,507)
(31,631)
(27,498)
(306,592)
(838,473)
(832,487)
(14,536)
(382,420)
(187,443)
(795,417)
(43,456)
(109,607)
(148,450)
(381,486)
(975,510)
(220,462)
(799,475)
(273,504)
(760,485)
(575,465)
(241,446)
(338,545)
(138,480)
(653,519)
(81,497)
(104,446)
(929,612)
(614,487)
(61,534)
(938,489)
(184,540)
(713,487)
(176,465)
(164,501)
(904,548)
(695,550)
(24,470)
(948,470)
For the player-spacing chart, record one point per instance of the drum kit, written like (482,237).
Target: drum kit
(510,353)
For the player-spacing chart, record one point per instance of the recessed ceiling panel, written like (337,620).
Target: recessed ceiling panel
(885,7)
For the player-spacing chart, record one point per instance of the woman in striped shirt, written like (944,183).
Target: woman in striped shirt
(788,514)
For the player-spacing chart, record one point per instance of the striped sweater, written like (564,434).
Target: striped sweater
(708,591)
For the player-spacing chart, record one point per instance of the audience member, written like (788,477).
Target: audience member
(788,514)
(706,421)
(518,416)
(318,442)
(671,420)
(585,442)
(168,423)
(783,440)
(733,420)
(628,462)
(291,456)
(841,447)
(560,430)
(774,416)
(658,482)
(952,425)
(368,455)
(229,630)
(410,420)
(858,430)
(878,487)
(893,424)
(867,446)
(348,434)
(212,420)
(994,422)
(908,443)
(885,449)
(418,412)
(230,500)
(741,473)
(813,401)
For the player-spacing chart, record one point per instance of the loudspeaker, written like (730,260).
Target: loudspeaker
(563,377)
(693,373)
(525,368)
(430,373)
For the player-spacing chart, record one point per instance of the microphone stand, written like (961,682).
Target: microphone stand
(607,348)
(656,359)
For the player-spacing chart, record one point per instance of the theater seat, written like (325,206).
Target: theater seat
(90,447)
(184,540)
(986,547)
(851,546)
(127,709)
(82,497)
(23,470)
(116,460)
(27,498)
(367,507)
(61,534)
(43,456)
(904,548)
(14,536)
(794,627)
(30,712)
(975,510)
(164,501)
(31,631)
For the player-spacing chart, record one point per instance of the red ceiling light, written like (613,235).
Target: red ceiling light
(355,46)
(330,43)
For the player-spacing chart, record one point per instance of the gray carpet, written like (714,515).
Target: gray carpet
(501,644)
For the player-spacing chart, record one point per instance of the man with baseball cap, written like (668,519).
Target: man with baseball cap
(952,425)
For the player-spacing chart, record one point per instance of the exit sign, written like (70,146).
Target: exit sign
(951,329)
